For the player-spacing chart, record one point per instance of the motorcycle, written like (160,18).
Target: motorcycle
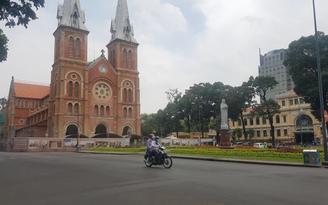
(161,158)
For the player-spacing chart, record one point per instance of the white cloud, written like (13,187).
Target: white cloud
(182,43)
(157,19)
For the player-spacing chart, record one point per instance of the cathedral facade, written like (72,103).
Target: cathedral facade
(98,98)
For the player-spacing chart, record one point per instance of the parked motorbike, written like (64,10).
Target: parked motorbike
(160,159)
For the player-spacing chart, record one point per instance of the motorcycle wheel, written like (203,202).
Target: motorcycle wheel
(148,163)
(167,163)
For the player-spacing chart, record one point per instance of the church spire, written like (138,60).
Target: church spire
(121,27)
(70,14)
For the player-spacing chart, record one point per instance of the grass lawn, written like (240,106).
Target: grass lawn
(249,153)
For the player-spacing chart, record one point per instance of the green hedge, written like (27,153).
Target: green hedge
(283,154)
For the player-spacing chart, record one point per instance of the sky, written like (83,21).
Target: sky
(182,42)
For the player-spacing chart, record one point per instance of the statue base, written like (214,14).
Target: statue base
(225,138)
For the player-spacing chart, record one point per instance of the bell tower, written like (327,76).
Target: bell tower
(123,56)
(69,75)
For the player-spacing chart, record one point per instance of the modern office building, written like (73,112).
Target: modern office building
(271,64)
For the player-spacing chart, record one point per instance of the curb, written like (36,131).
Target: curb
(323,165)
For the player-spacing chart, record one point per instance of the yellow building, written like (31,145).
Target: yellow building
(294,123)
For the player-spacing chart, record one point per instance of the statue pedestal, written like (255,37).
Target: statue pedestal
(225,138)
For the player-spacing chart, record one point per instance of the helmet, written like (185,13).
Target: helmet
(157,138)
(151,136)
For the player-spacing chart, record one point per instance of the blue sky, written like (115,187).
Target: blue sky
(182,42)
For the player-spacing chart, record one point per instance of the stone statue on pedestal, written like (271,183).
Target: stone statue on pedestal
(224,132)
(224,115)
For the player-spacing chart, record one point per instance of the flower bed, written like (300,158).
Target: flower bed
(282,154)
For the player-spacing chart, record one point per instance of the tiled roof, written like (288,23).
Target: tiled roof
(31,91)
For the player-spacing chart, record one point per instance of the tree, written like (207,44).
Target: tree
(301,60)
(172,111)
(251,133)
(3,46)
(237,133)
(262,84)
(268,107)
(18,12)
(201,103)
(3,104)
(150,123)
(239,100)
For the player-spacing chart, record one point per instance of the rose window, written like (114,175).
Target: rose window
(102,91)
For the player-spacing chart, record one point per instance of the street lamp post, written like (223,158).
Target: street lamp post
(77,129)
(301,136)
(200,122)
(320,84)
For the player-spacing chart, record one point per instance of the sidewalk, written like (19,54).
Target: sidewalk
(322,165)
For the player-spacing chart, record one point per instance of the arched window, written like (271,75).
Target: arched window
(101,110)
(125,112)
(245,121)
(107,110)
(111,57)
(124,58)
(114,58)
(258,133)
(55,90)
(130,97)
(76,108)
(125,95)
(257,120)
(71,47)
(130,112)
(76,89)
(70,108)
(75,19)
(130,59)
(70,88)
(78,48)
(96,110)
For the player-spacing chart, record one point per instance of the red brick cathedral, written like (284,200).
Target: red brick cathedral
(95,98)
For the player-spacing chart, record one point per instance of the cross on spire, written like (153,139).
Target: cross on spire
(102,52)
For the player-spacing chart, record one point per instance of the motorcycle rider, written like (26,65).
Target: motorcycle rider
(151,147)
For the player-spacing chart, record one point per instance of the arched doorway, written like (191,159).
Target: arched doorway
(71,130)
(304,133)
(101,129)
(127,131)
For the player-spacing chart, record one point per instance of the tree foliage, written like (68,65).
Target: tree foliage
(3,46)
(237,133)
(149,124)
(268,107)
(3,104)
(262,84)
(239,99)
(19,12)
(194,110)
(301,60)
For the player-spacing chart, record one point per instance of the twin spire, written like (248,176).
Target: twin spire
(120,26)
(70,14)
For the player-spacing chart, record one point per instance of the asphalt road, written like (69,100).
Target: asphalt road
(82,178)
